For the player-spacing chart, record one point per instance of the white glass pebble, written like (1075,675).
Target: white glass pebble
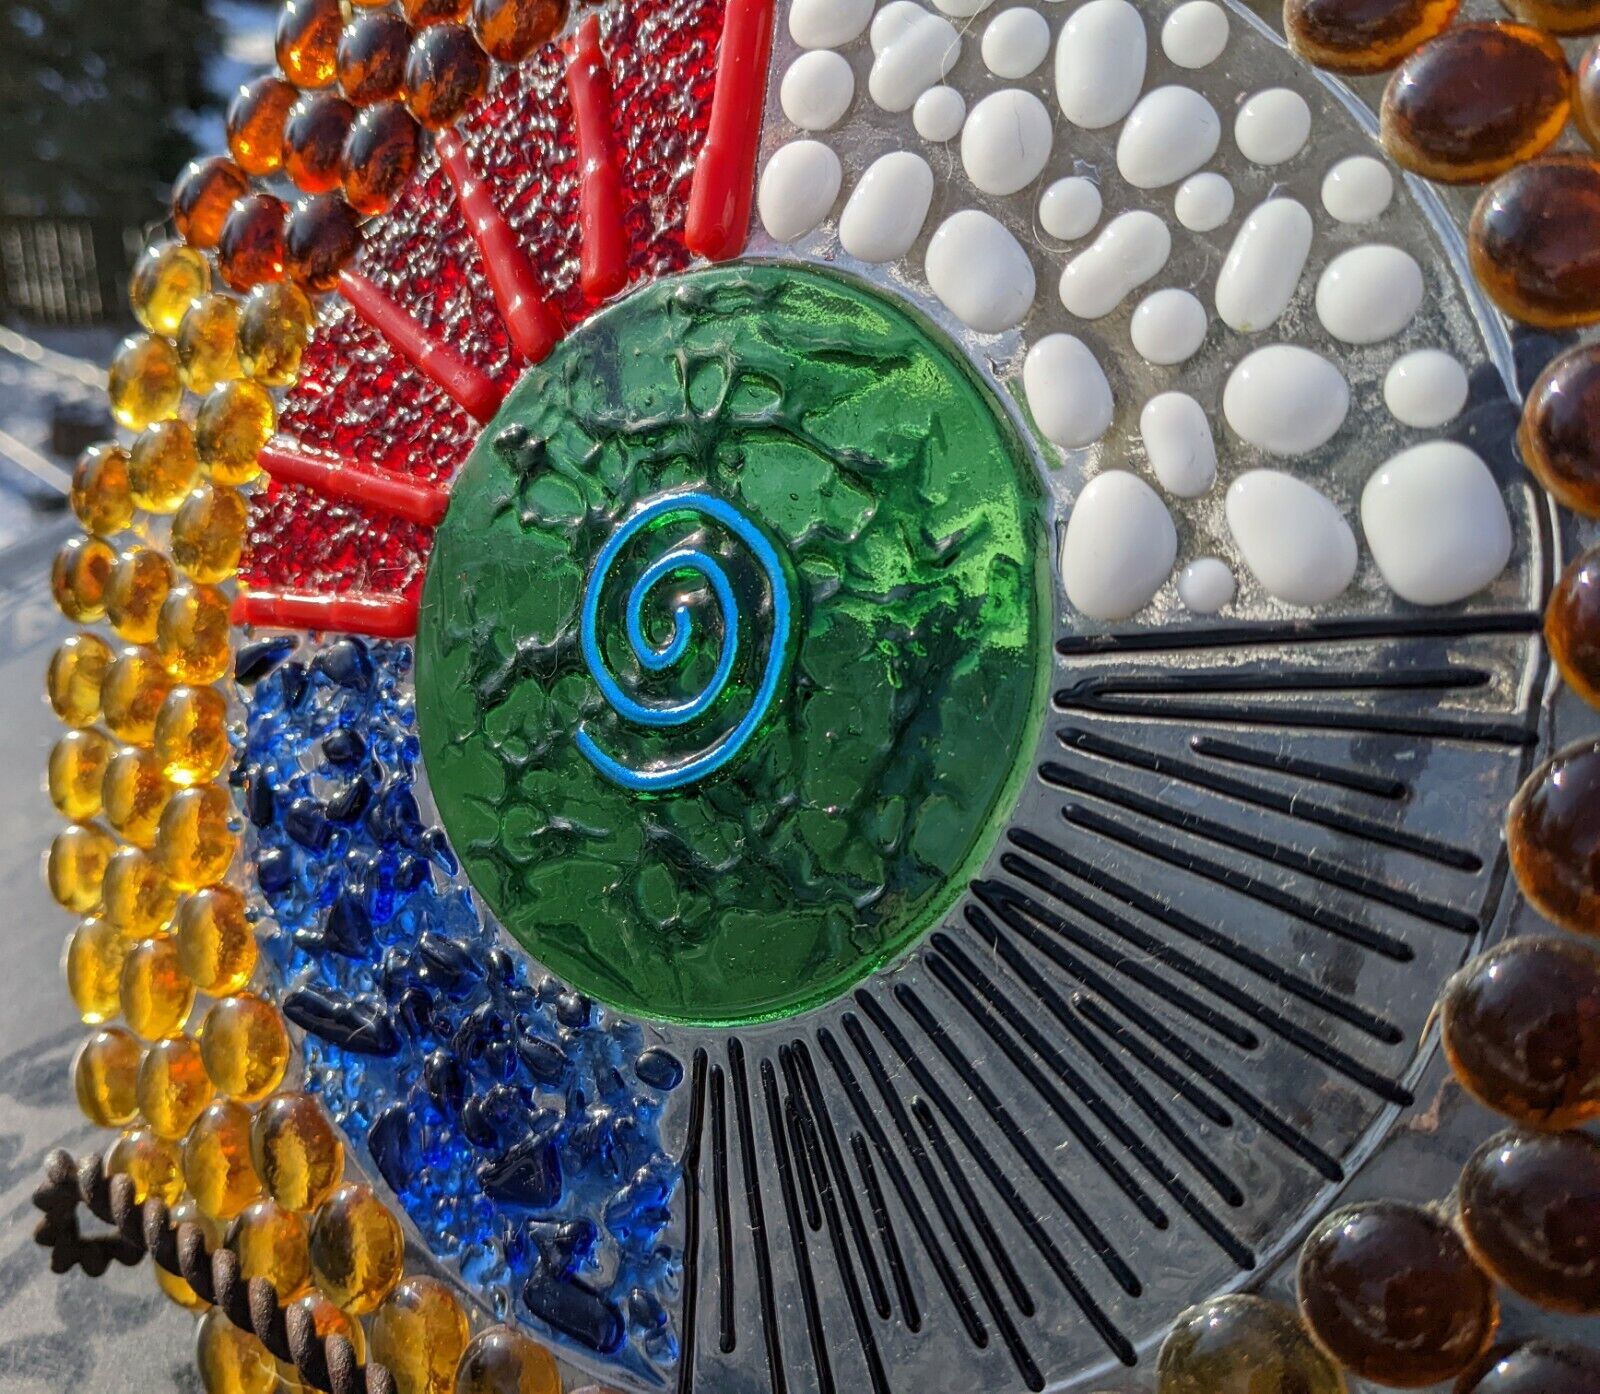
(893,20)
(1272,126)
(1204,202)
(1015,42)
(1195,34)
(1178,443)
(1067,391)
(1286,399)
(797,188)
(817,89)
(1263,266)
(1100,62)
(938,114)
(1436,523)
(886,209)
(1357,190)
(1206,586)
(1119,547)
(1130,249)
(1425,389)
(1006,141)
(1168,327)
(1168,135)
(1369,294)
(1291,536)
(915,59)
(1070,208)
(980,272)
(828,23)
(963,9)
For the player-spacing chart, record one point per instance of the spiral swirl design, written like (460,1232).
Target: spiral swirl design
(659,658)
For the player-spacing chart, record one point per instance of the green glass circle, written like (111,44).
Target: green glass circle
(826,455)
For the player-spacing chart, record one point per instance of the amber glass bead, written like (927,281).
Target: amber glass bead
(186,1212)
(1242,1344)
(201,198)
(1475,101)
(308,40)
(195,843)
(230,1360)
(501,1360)
(1362,36)
(1392,1294)
(162,466)
(255,124)
(326,1320)
(380,156)
(357,1253)
(1532,242)
(1559,438)
(74,678)
(216,1160)
(324,234)
(136,899)
(193,637)
(99,494)
(312,139)
(144,384)
(135,686)
(215,944)
(1530,1213)
(94,969)
(297,1152)
(422,13)
(271,1243)
(1586,97)
(233,423)
(419,1333)
(138,583)
(154,1163)
(157,995)
(76,865)
(77,767)
(208,534)
(245,1047)
(446,72)
(1535,1367)
(1558,16)
(372,57)
(273,333)
(174,1087)
(105,1075)
(509,30)
(250,250)
(208,343)
(1554,836)
(135,794)
(191,740)
(166,280)
(78,577)
(1572,626)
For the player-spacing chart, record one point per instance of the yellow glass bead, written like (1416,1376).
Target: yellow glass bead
(1243,1343)
(297,1153)
(208,534)
(245,1047)
(271,1242)
(100,493)
(194,634)
(77,766)
(232,1361)
(234,422)
(135,794)
(186,1212)
(191,740)
(157,995)
(195,842)
(94,969)
(138,583)
(154,1163)
(77,670)
(326,1320)
(503,1361)
(174,1087)
(357,1254)
(105,1075)
(135,686)
(144,385)
(135,898)
(163,466)
(208,343)
(76,865)
(216,1160)
(78,578)
(419,1333)
(215,944)
(273,332)
(166,280)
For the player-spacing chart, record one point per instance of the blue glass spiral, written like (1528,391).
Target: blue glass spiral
(658,658)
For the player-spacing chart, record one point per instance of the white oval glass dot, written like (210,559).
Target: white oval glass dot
(938,114)
(1016,42)
(817,89)
(1070,208)
(1206,585)
(1272,126)
(1204,202)
(1425,389)
(1168,327)
(1195,34)
(1358,190)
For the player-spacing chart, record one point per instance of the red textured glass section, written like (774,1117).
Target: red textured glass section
(356,398)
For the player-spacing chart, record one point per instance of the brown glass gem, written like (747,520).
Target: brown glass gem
(372,57)
(313,139)
(1553,833)
(423,13)
(255,124)
(1572,626)
(1559,438)
(380,155)
(1586,97)
(202,196)
(1535,1367)
(1362,36)
(1532,242)
(510,30)
(324,233)
(446,72)
(1558,16)
(250,250)
(307,41)
(1391,1293)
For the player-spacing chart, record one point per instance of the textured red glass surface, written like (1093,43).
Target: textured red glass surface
(356,398)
